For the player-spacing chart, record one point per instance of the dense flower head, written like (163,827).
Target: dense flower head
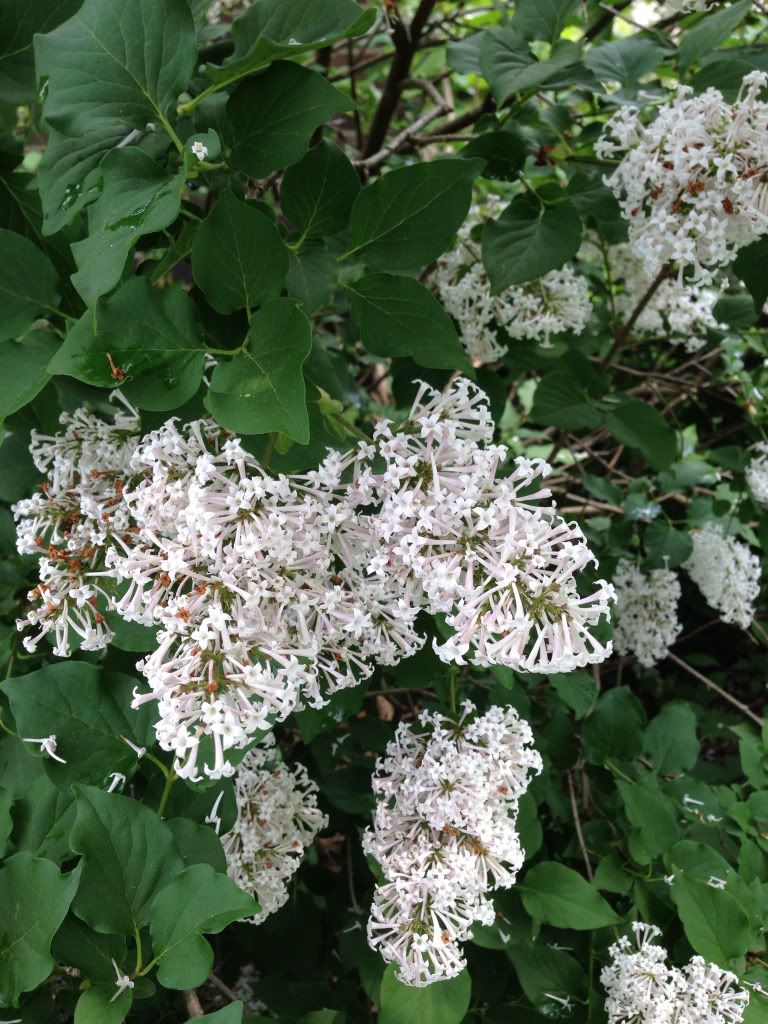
(277,820)
(757,474)
(553,304)
(271,592)
(726,572)
(643,989)
(444,834)
(692,183)
(677,310)
(645,618)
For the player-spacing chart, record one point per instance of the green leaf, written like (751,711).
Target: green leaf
(443,1002)
(509,67)
(99,1006)
(651,814)
(152,336)
(542,19)
(238,256)
(666,546)
(28,284)
(271,29)
(24,369)
(138,197)
(69,171)
(408,217)
(126,63)
(528,240)
(749,265)
(128,856)
(317,193)
(715,923)
(670,742)
(638,425)
(615,727)
(576,689)
(554,894)
(710,32)
(34,899)
(198,844)
(544,972)
(43,816)
(624,60)
(312,276)
(198,900)
(273,117)
(79,946)
(19,21)
(88,711)
(504,152)
(262,391)
(561,401)
(397,316)
(232,1014)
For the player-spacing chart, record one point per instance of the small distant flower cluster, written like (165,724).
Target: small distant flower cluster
(693,183)
(726,572)
(643,989)
(645,618)
(445,835)
(277,820)
(271,592)
(677,310)
(225,11)
(557,302)
(757,474)
(687,6)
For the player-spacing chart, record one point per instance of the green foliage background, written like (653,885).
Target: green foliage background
(296,254)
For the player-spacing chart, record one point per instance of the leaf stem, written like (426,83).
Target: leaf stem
(169,781)
(139,952)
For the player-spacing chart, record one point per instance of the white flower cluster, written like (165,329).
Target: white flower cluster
(692,183)
(726,572)
(78,512)
(679,311)
(687,6)
(643,989)
(445,835)
(273,591)
(557,302)
(757,474)
(645,618)
(277,819)
(225,11)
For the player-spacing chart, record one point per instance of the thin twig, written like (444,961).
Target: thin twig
(224,989)
(577,824)
(717,689)
(193,1004)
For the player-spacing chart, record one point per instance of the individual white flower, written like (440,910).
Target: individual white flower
(643,989)
(199,149)
(553,304)
(277,820)
(122,982)
(47,746)
(444,833)
(691,183)
(726,572)
(757,474)
(645,617)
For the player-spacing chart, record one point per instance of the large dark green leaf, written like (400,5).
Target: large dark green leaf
(542,19)
(561,401)
(19,21)
(312,275)
(271,29)
(651,813)
(274,115)
(117,61)
(318,192)
(232,1014)
(24,366)
(624,60)
(28,284)
(128,856)
(262,391)
(238,256)
(138,197)
(87,711)
(750,266)
(557,895)
(509,66)
(711,32)
(545,972)
(408,217)
(639,425)
(670,742)
(34,899)
(715,923)
(615,727)
(529,240)
(443,1002)
(397,316)
(151,335)
(198,900)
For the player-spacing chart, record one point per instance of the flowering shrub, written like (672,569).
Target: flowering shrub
(384,490)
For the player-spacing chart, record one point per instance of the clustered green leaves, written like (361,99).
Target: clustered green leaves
(280,285)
